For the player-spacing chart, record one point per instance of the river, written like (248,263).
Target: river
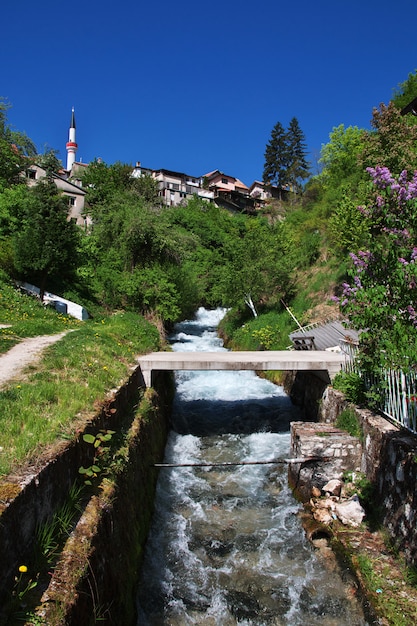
(226,546)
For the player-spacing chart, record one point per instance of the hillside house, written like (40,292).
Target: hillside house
(175,187)
(260,191)
(217,181)
(74,192)
(229,192)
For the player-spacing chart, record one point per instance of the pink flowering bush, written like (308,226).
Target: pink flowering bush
(380,296)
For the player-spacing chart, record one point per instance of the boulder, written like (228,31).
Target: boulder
(323,516)
(350,512)
(333,487)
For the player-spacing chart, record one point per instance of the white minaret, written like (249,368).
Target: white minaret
(71,143)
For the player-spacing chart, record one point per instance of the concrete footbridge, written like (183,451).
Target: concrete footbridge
(330,363)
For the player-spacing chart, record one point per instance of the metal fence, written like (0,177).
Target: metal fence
(395,391)
(399,398)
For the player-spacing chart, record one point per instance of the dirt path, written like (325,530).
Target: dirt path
(25,353)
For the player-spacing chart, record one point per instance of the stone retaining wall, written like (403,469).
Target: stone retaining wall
(334,450)
(389,461)
(97,576)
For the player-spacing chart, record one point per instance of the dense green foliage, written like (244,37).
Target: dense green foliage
(169,260)
(45,243)
(352,385)
(406,93)
(392,143)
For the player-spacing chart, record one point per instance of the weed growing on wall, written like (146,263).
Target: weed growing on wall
(100,443)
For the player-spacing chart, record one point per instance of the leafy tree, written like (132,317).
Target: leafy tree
(340,157)
(102,181)
(405,93)
(50,162)
(392,143)
(13,201)
(259,269)
(380,297)
(46,244)
(15,150)
(147,187)
(204,233)
(150,289)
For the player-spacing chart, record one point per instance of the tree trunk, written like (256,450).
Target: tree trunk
(249,303)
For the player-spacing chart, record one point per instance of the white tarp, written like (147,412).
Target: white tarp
(75,310)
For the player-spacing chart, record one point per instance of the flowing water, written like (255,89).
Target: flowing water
(226,546)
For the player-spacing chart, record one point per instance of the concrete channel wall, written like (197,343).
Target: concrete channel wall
(96,576)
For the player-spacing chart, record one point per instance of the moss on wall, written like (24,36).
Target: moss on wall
(97,576)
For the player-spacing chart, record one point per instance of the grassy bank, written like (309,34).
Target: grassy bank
(70,381)
(314,289)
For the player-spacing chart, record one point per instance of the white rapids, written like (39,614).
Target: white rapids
(226,546)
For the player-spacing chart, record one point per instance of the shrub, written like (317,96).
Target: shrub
(352,385)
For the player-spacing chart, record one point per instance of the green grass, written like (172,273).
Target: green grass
(387,602)
(7,340)
(71,380)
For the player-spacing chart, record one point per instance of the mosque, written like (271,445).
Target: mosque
(68,181)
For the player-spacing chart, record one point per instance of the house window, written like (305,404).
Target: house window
(31,174)
(72,200)
(225,181)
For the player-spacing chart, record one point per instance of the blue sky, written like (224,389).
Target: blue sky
(194,87)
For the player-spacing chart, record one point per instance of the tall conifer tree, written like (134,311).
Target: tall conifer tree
(285,157)
(298,168)
(276,158)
